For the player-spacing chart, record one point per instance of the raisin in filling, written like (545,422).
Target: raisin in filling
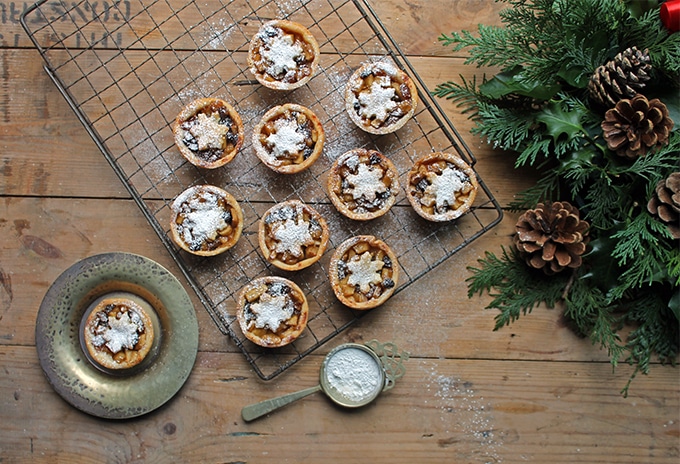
(377,199)
(211,154)
(268,63)
(289,150)
(402,98)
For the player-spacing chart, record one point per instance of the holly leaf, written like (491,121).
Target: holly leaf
(560,122)
(573,75)
(577,76)
(511,81)
(638,8)
(668,94)
(603,270)
(674,305)
(579,160)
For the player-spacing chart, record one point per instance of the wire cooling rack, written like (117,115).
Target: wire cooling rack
(127,67)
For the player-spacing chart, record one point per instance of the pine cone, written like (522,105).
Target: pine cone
(551,237)
(621,77)
(635,126)
(665,203)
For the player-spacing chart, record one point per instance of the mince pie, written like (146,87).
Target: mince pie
(380,98)
(289,138)
(117,334)
(208,132)
(283,55)
(292,235)
(272,311)
(206,220)
(363,272)
(441,186)
(363,184)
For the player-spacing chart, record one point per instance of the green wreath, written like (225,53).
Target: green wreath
(587,95)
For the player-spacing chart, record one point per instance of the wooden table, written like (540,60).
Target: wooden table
(531,392)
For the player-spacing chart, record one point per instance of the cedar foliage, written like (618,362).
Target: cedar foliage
(537,109)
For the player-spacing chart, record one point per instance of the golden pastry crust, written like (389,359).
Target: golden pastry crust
(380,98)
(208,132)
(364,272)
(283,55)
(363,184)
(292,235)
(118,334)
(272,311)
(441,186)
(289,138)
(206,220)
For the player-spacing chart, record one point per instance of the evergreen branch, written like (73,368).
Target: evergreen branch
(639,235)
(602,202)
(516,288)
(673,267)
(465,95)
(505,128)
(488,48)
(647,32)
(538,107)
(594,317)
(493,270)
(645,249)
(653,335)
(539,146)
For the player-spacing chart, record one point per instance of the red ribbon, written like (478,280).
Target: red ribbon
(670,15)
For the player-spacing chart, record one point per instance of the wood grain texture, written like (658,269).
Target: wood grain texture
(398,16)
(443,410)
(531,392)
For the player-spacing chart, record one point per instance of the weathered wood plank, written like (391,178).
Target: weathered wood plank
(441,411)
(414,26)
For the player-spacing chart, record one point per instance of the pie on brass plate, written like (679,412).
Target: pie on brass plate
(58,335)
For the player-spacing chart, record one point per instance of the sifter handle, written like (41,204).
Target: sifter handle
(253,411)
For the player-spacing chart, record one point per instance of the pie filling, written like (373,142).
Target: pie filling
(293,233)
(439,187)
(273,311)
(365,272)
(366,184)
(210,132)
(205,221)
(290,137)
(380,98)
(282,54)
(119,334)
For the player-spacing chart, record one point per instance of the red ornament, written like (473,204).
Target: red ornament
(670,15)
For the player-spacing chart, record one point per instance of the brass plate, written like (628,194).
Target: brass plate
(67,368)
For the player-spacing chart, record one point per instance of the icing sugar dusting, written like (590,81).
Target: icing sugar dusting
(204,219)
(367,182)
(377,103)
(208,131)
(444,187)
(270,311)
(118,332)
(292,236)
(287,139)
(364,271)
(280,51)
(473,419)
(353,373)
